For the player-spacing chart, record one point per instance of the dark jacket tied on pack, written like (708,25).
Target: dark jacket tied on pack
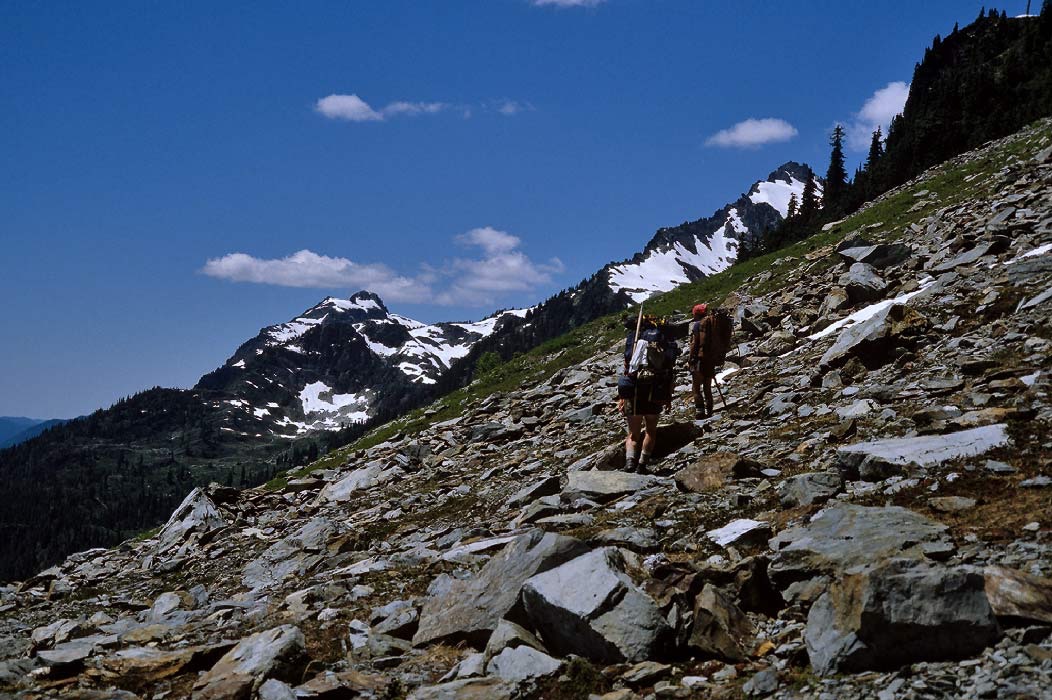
(650,364)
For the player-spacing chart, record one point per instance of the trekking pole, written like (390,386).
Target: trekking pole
(635,339)
(719,391)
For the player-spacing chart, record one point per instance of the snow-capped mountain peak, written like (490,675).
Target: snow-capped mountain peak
(693,250)
(332,364)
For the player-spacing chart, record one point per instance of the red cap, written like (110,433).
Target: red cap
(700,309)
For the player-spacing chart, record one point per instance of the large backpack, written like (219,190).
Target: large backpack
(719,327)
(650,377)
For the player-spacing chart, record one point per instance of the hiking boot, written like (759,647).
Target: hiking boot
(631,464)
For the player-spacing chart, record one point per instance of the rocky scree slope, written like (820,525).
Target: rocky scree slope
(869,515)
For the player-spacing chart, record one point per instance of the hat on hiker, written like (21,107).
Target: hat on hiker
(699,309)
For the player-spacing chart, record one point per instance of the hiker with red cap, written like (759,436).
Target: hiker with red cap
(703,358)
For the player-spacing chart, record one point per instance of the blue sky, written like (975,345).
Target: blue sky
(470,156)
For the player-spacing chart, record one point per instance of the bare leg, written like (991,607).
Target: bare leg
(695,390)
(708,392)
(635,426)
(651,437)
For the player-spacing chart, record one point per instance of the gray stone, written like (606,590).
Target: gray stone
(367,477)
(897,612)
(275,653)
(847,535)
(548,486)
(609,485)
(739,531)
(196,514)
(591,607)
(872,340)
(466,689)
(879,256)
(951,504)
(863,284)
(881,458)
(289,555)
(522,663)
(508,634)
(638,539)
(1017,595)
(763,683)
(1038,482)
(720,627)
(273,689)
(808,488)
(469,610)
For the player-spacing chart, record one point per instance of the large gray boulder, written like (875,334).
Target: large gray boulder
(469,610)
(275,653)
(873,339)
(590,606)
(899,612)
(878,459)
(846,535)
(863,284)
(196,514)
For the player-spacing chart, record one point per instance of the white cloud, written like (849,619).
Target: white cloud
(501,270)
(567,3)
(753,133)
(464,281)
(354,109)
(877,110)
(490,240)
(349,107)
(308,269)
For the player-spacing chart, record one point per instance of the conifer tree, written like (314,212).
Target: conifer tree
(809,199)
(836,175)
(793,206)
(876,150)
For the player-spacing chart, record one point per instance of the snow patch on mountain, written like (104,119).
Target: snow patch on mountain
(661,271)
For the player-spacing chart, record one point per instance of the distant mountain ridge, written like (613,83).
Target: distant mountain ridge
(339,362)
(16,429)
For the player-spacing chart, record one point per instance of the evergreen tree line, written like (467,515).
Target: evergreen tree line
(978,84)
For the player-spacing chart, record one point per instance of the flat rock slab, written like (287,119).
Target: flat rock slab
(609,485)
(923,450)
(847,535)
(367,477)
(275,653)
(739,531)
(899,612)
(469,610)
(467,689)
